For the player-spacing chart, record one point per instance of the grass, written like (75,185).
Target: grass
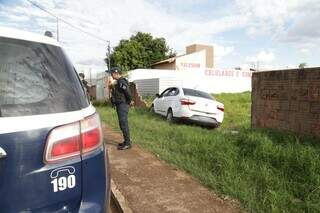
(266,171)
(237,110)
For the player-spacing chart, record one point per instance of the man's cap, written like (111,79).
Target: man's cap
(113,70)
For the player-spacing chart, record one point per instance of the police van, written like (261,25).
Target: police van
(52,156)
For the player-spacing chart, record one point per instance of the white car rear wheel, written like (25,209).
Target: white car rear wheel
(152,109)
(170,116)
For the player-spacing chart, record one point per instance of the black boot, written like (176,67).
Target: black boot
(125,146)
(121,144)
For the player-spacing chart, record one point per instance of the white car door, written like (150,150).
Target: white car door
(170,99)
(160,102)
(156,104)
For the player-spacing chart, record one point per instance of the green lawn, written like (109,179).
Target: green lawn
(265,170)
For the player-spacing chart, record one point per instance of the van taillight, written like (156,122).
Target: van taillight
(71,140)
(187,102)
(65,147)
(63,142)
(91,133)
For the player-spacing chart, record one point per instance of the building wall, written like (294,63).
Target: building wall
(209,53)
(102,89)
(152,86)
(166,82)
(165,66)
(209,80)
(196,60)
(147,87)
(287,100)
(136,97)
(92,92)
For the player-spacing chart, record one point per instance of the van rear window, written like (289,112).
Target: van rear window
(197,93)
(37,78)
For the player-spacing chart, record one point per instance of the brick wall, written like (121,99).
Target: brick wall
(136,98)
(287,100)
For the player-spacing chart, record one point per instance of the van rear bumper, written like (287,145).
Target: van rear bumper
(96,183)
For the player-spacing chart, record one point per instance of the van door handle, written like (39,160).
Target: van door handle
(3,153)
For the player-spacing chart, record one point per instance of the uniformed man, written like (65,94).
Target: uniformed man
(84,82)
(121,99)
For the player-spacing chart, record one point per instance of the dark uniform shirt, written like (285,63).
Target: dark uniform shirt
(121,92)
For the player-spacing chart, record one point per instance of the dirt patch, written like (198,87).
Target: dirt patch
(150,185)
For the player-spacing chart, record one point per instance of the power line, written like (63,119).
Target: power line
(75,27)
(68,23)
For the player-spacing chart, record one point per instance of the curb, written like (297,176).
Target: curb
(119,199)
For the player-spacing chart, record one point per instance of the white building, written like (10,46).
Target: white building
(197,56)
(195,69)
(209,80)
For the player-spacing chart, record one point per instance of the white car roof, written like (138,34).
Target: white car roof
(27,36)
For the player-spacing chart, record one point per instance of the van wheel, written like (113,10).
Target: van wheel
(170,118)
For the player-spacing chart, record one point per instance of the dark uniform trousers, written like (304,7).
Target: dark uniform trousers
(122,112)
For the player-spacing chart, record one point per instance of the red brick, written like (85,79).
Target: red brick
(284,105)
(316,125)
(293,124)
(294,106)
(275,105)
(304,106)
(283,125)
(287,100)
(314,75)
(283,116)
(294,94)
(315,107)
(303,94)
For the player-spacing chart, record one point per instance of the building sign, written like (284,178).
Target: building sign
(194,61)
(190,65)
(208,80)
(227,73)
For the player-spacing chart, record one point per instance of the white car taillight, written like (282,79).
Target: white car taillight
(71,140)
(221,108)
(187,102)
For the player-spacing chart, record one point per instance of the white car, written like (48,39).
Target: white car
(188,105)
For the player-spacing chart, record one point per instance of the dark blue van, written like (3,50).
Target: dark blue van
(52,156)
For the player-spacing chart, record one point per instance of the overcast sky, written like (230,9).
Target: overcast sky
(277,33)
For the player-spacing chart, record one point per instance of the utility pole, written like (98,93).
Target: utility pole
(108,54)
(57,29)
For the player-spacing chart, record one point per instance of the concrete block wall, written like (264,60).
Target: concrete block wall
(287,100)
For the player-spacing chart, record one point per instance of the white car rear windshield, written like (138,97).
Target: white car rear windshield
(197,93)
(37,79)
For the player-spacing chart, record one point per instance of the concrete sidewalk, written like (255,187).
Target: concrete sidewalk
(150,185)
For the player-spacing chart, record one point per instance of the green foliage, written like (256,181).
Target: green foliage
(266,171)
(302,65)
(101,103)
(140,51)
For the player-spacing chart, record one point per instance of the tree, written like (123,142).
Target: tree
(140,51)
(302,65)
